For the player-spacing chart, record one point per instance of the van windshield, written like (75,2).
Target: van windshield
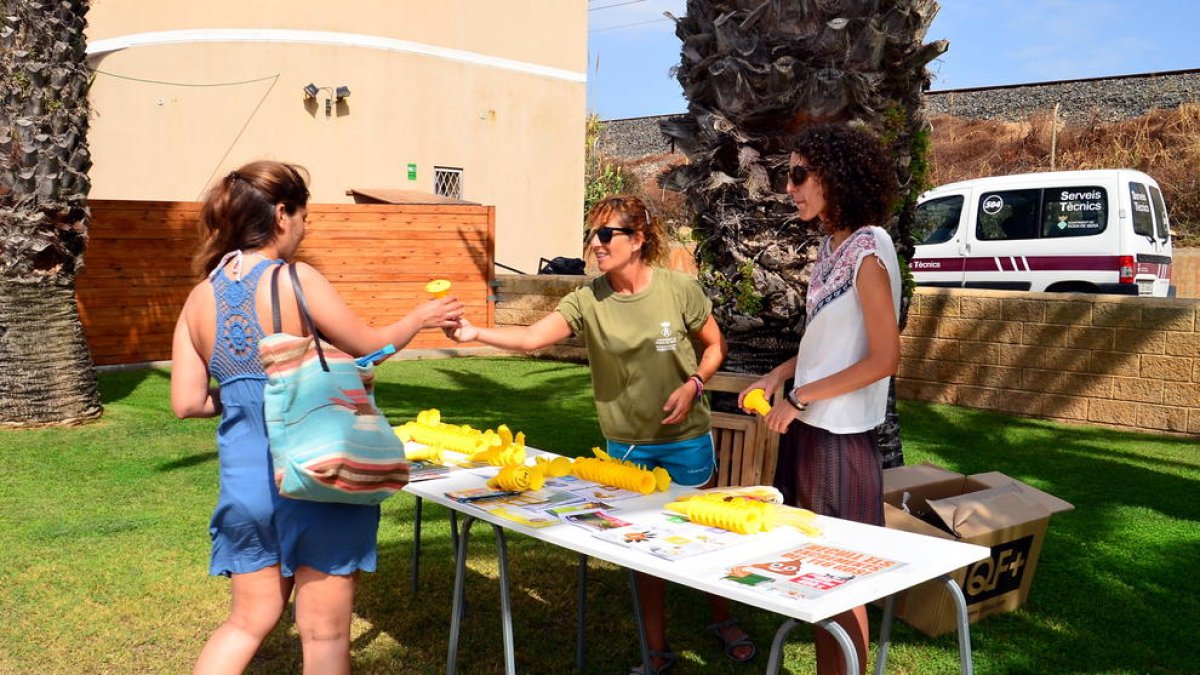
(936,220)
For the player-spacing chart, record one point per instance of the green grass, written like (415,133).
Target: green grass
(104,549)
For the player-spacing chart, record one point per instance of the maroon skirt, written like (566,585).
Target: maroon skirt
(839,475)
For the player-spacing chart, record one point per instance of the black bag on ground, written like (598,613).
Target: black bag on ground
(561,265)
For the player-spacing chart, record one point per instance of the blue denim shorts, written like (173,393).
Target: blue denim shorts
(690,462)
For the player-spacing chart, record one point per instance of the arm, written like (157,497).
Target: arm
(771,381)
(883,347)
(190,394)
(341,326)
(680,402)
(546,331)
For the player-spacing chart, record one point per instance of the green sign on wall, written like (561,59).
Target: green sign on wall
(412,171)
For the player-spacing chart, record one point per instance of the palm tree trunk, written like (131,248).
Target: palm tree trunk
(46,373)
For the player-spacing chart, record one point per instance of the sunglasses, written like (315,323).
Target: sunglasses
(605,234)
(798,174)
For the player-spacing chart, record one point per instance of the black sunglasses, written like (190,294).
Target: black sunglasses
(798,174)
(605,234)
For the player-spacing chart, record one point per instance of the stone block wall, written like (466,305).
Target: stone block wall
(1100,359)
(1132,363)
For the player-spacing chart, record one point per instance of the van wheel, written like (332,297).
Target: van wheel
(1072,287)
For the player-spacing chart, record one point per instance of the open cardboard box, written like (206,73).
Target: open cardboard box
(988,509)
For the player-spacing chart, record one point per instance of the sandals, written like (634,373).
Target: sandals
(667,660)
(731,646)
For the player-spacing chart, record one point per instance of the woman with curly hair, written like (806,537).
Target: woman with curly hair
(840,180)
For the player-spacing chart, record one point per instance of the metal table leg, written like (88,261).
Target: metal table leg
(581,620)
(506,623)
(964,627)
(460,566)
(834,628)
(416,550)
(885,634)
(647,662)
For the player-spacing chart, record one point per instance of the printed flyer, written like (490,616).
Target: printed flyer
(808,571)
(673,539)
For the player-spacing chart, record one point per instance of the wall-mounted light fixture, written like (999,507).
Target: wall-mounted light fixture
(311,90)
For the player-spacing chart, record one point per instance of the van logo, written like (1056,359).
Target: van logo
(1000,573)
(1062,222)
(992,205)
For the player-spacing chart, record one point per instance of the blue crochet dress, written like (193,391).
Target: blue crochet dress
(253,527)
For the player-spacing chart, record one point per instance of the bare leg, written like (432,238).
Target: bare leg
(829,654)
(258,599)
(324,604)
(653,594)
(731,633)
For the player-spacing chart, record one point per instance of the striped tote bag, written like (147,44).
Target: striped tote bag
(329,442)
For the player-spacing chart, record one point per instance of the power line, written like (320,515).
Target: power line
(626,25)
(618,4)
(185,84)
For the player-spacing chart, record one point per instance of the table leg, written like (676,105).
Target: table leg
(885,634)
(647,662)
(776,657)
(964,626)
(460,569)
(506,625)
(581,621)
(416,551)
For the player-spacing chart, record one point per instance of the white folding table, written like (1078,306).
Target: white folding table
(924,558)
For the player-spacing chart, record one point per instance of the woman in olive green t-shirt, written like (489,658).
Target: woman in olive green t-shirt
(637,320)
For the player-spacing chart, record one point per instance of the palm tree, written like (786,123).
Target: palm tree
(754,72)
(46,373)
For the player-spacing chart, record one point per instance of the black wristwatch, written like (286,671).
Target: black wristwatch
(790,397)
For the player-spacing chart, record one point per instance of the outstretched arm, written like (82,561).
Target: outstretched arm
(546,331)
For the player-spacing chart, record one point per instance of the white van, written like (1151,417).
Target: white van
(1102,231)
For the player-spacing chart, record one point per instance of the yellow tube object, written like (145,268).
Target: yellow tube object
(756,401)
(802,519)
(624,476)
(739,515)
(517,478)
(554,468)
(438,288)
(428,453)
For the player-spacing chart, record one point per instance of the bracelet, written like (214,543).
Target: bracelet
(699,382)
(790,397)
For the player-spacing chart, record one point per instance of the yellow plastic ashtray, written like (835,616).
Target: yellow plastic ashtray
(438,288)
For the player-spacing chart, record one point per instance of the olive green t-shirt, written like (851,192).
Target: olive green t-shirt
(639,352)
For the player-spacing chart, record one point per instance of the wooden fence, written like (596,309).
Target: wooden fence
(379,256)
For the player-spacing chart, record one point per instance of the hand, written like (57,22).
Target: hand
(440,313)
(768,383)
(781,417)
(462,331)
(679,403)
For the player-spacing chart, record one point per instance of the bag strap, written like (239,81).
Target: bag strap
(301,304)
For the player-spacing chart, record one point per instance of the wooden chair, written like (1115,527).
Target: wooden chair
(746,449)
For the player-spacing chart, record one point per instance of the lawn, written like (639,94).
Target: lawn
(104,550)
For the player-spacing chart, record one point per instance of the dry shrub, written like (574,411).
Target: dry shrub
(1162,143)
(669,206)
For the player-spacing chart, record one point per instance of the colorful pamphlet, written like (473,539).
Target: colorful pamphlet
(808,571)
(671,540)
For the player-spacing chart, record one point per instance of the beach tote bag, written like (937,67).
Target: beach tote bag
(329,443)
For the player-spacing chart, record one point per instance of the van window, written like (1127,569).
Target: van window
(936,220)
(1008,214)
(1160,213)
(1143,223)
(1074,211)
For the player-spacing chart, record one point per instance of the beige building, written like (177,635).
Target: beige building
(477,99)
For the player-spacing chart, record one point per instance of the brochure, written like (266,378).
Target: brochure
(808,571)
(424,470)
(672,539)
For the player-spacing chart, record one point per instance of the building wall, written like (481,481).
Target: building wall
(1132,363)
(484,87)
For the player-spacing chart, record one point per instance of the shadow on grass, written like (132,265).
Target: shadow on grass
(1122,563)
(116,386)
(188,462)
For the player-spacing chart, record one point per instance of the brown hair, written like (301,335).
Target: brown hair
(857,176)
(239,211)
(632,212)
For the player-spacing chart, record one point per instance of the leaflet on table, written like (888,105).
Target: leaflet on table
(808,571)
(671,537)
(594,516)
(421,469)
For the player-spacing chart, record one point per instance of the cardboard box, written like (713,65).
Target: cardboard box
(988,509)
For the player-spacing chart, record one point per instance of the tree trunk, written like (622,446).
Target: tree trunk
(48,376)
(754,72)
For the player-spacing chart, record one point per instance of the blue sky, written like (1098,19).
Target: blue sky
(632,46)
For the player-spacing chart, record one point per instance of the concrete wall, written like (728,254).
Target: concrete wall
(1185,272)
(186,91)
(1132,363)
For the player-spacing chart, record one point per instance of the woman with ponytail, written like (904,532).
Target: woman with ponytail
(270,546)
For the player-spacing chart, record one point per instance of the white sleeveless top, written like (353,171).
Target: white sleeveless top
(835,336)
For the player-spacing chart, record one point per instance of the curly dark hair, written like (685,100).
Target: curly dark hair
(858,179)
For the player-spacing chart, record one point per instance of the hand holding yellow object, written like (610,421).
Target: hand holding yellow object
(438,288)
(756,401)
